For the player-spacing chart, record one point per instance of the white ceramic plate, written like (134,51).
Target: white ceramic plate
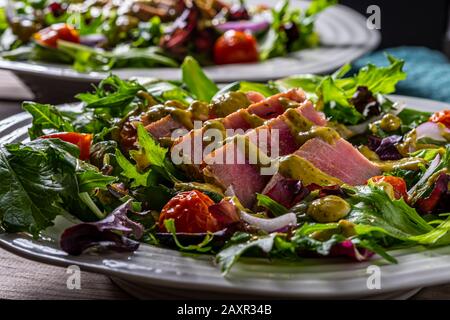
(151,269)
(343,33)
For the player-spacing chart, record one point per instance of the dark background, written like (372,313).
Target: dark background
(406,22)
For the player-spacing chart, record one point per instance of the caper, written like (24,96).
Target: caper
(390,122)
(328,209)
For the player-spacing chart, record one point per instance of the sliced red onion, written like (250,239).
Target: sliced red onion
(432,131)
(92,40)
(427,174)
(270,225)
(243,25)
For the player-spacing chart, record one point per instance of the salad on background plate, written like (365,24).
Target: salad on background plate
(99,35)
(305,166)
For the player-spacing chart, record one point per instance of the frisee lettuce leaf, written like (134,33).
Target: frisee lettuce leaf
(334,92)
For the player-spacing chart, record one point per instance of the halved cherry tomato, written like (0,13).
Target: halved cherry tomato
(442,117)
(190,211)
(82,140)
(235,47)
(398,184)
(61,31)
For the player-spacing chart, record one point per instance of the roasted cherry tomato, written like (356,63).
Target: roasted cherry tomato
(398,184)
(235,47)
(190,211)
(82,140)
(61,31)
(442,117)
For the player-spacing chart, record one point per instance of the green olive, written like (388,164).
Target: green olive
(328,209)
(390,122)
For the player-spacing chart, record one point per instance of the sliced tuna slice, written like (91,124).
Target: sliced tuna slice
(233,170)
(276,104)
(164,127)
(264,109)
(254,96)
(340,160)
(232,174)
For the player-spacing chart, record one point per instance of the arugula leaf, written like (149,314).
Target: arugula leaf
(130,171)
(91,179)
(196,80)
(426,154)
(266,90)
(423,186)
(371,245)
(164,90)
(438,236)
(112,92)
(169,224)
(45,116)
(153,155)
(374,211)
(412,118)
(276,208)
(150,152)
(307,82)
(229,256)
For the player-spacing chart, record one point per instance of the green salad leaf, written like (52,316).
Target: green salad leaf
(112,92)
(334,92)
(46,116)
(38,177)
(228,256)
(196,80)
(276,208)
(374,211)
(131,172)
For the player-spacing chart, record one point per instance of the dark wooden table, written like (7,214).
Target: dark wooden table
(25,279)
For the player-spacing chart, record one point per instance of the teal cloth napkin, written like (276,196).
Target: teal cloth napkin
(428,71)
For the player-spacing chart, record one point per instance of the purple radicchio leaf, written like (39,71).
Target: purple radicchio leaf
(285,191)
(385,148)
(348,249)
(109,233)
